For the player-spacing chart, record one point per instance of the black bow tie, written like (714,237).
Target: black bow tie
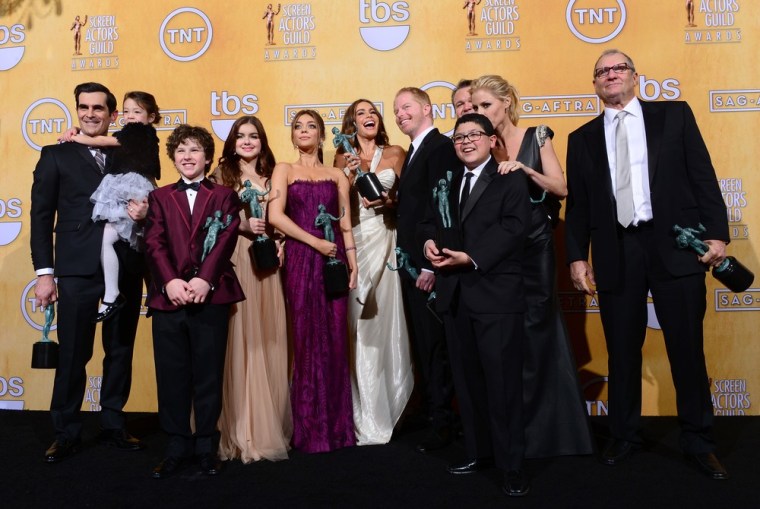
(184,186)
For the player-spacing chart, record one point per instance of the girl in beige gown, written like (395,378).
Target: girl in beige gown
(256,420)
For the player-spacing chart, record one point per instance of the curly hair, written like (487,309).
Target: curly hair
(184,132)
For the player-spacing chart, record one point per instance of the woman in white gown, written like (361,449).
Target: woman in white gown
(382,378)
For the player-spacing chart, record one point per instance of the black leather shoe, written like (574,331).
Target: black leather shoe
(709,464)
(516,483)
(120,439)
(437,439)
(60,449)
(112,307)
(470,467)
(167,467)
(210,464)
(617,451)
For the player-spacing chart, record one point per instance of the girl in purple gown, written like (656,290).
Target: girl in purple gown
(321,387)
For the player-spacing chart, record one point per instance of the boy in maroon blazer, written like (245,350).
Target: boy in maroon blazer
(192,288)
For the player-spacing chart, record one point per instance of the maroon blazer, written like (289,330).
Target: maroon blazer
(174,242)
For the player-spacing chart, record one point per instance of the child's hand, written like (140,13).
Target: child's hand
(68,135)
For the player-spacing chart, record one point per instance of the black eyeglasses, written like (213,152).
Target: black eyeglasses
(473,136)
(618,68)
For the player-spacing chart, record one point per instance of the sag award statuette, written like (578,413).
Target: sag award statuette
(213,225)
(367,182)
(45,351)
(403,262)
(447,234)
(335,272)
(263,250)
(735,276)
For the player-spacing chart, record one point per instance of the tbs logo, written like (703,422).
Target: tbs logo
(390,34)
(231,106)
(9,230)
(10,56)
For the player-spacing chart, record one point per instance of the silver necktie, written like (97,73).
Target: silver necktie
(623,190)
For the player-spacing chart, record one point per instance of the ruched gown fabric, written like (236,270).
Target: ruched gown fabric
(382,379)
(256,421)
(556,422)
(321,387)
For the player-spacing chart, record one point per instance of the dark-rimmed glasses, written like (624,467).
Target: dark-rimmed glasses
(473,136)
(618,68)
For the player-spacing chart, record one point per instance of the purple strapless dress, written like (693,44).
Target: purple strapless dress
(321,388)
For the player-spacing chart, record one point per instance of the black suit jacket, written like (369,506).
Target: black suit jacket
(433,158)
(493,225)
(64,179)
(683,186)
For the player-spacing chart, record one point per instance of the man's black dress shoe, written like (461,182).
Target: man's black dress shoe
(470,467)
(516,483)
(60,449)
(210,464)
(120,439)
(111,308)
(437,439)
(709,464)
(617,451)
(167,467)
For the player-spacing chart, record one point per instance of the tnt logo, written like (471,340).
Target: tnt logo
(595,21)
(444,115)
(595,393)
(34,314)
(230,105)
(391,33)
(11,55)
(185,34)
(44,121)
(9,230)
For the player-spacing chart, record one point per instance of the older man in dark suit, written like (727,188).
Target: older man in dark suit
(64,179)
(634,172)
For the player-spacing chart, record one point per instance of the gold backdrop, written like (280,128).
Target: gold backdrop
(210,62)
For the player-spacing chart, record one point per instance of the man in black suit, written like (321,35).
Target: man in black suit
(480,295)
(633,172)
(64,179)
(430,155)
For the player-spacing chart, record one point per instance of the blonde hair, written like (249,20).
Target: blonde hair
(502,89)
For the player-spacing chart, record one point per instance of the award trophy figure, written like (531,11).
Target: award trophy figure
(213,225)
(447,234)
(735,276)
(403,262)
(263,250)
(335,272)
(45,351)
(367,182)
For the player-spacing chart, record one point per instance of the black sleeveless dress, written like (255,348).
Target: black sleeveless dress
(556,422)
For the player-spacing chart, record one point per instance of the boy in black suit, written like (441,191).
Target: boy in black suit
(480,295)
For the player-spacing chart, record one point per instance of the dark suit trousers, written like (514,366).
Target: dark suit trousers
(430,355)
(78,299)
(486,361)
(680,305)
(189,347)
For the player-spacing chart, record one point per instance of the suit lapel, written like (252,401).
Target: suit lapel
(654,122)
(485,178)
(597,144)
(85,153)
(418,156)
(183,206)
